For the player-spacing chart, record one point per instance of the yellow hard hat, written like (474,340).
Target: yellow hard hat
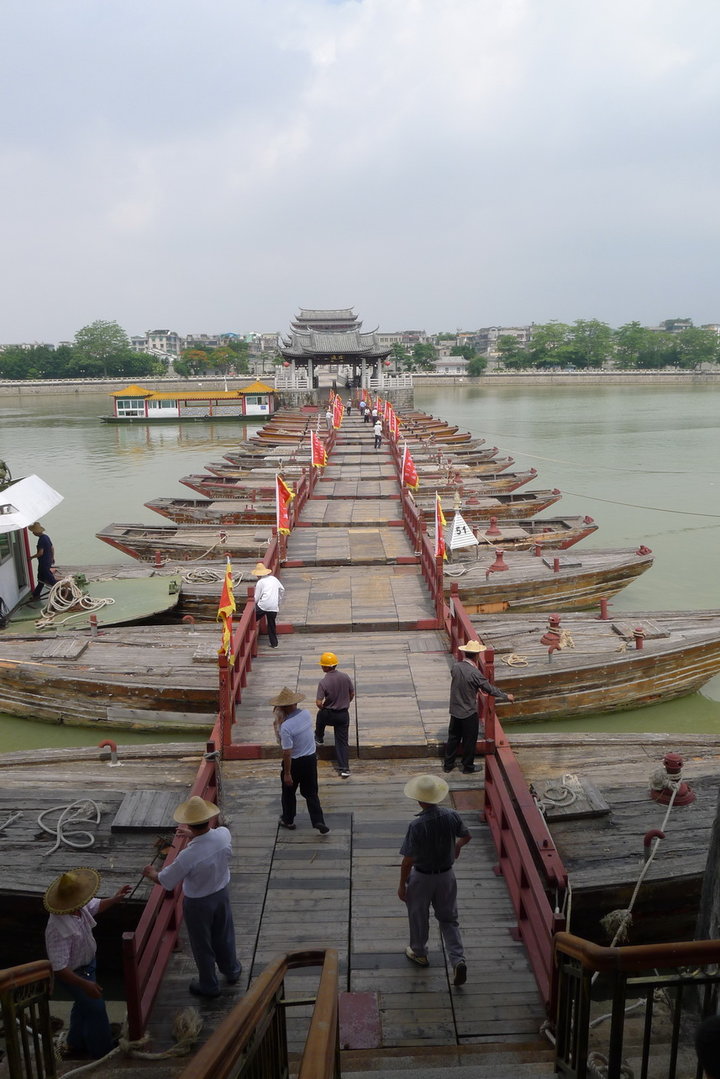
(328,659)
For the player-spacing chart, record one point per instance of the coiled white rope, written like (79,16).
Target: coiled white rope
(83,811)
(67,595)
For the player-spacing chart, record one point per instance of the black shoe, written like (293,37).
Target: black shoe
(448,767)
(235,978)
(460,972)
(197,991)
(470,770)
(284,824)
(322,829)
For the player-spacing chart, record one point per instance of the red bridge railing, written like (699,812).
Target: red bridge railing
(147,950)
(527,857)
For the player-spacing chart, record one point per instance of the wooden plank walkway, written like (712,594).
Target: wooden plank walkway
(300,889)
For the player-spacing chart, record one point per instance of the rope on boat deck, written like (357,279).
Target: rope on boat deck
(83,811)
(187,1025)
(67,595)
(207,576)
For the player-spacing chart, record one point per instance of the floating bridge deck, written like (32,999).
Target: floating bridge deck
(354,586)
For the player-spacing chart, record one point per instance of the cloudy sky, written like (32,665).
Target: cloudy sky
(213,165)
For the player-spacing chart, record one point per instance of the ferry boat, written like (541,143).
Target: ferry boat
(135,404)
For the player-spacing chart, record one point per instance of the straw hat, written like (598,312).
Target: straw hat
(261,570)
(195,811)
(71,890)
(286,697)
(426,789)
(473,647)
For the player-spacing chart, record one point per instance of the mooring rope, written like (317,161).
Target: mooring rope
(67,595)
(83,811)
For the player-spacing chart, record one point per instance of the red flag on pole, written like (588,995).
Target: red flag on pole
(318,454)
(440,525)
(409,472)
(338,412)
(226,610)
(283,498)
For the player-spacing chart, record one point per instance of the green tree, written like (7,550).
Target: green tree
(400,357)
(463,350)
(591,343)
(477,365)
(511,352)
(193,361)
(638,347)
(696,346)
(423,357)
(100,346)
(550,345)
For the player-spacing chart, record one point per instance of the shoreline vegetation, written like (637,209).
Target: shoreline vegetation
(12,388)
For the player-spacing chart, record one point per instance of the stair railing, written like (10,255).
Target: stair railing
(251,1042)
(650,982)
(27,1030)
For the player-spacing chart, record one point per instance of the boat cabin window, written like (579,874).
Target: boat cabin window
(163,404)
(131,406)
(251,399)
(5,549)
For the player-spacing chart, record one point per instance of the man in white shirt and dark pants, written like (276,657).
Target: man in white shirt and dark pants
(294,729)
(203,866)
(268,597)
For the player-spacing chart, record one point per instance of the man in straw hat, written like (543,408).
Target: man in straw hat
(203,867)
(294,729)
(72,905)
(466,679)
(433,841)
(268,597)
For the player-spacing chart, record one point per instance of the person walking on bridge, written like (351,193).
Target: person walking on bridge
(465,681)
(203,867)
(432,844)
(294,729)
(268,597)
(335,691)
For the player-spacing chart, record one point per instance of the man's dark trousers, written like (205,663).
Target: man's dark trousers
(462,731)
(339,720)
(304,775)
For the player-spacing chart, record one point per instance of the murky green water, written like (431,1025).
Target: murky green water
(644,461)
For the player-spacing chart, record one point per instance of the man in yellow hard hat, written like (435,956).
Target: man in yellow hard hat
(335,691)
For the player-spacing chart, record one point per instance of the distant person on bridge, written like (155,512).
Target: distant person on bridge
(45,555)
(294,730)
(432,844)
(362,406)
(335,691)
(268,597)
(377,432)
(329,419)
(70,901)
(203,867)
(465,682)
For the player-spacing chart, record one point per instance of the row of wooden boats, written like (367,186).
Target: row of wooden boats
(521,568)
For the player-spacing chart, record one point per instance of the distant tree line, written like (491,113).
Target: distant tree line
(588,343)
(100,350)
(232,357)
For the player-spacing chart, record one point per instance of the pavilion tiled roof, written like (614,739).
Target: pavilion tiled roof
(350,343)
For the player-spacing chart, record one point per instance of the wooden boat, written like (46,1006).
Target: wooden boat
(124,678)
(149,543)
(552,582)
(557,533)
(604,671)
(469,485)
(111,600)
(508,505)
(229,486)
(234,511)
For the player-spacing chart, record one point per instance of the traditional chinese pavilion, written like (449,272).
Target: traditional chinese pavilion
(332,338)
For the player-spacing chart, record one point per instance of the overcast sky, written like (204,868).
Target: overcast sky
(214,165)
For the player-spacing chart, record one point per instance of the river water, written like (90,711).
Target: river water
(642,460)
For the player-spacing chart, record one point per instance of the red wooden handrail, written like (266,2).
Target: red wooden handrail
(147,950)
(534,873)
